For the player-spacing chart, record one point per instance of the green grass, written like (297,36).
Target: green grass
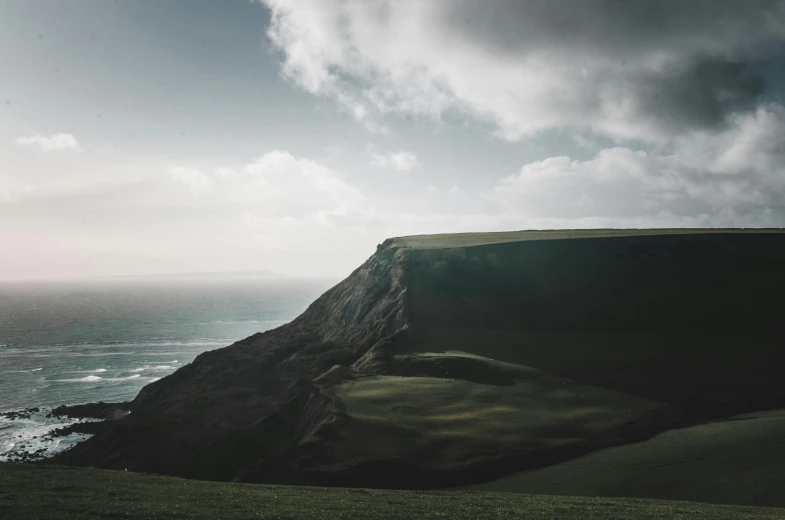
(69,493)
(736,461)
(441,423)
(448,240)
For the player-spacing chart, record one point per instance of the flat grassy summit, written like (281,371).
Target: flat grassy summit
(456,360)
(449,240)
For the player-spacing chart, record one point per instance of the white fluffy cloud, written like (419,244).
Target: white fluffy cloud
(196,180)
(304,188)
(628,69)
(401,160)
(50,143)
(276,186)
(274,212)
(735,178)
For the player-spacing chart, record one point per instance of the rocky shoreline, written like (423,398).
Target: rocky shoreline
(24,413)
(89,417)
(99,410)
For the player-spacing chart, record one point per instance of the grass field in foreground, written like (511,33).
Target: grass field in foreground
(448,240)
(79,493)
(735,461)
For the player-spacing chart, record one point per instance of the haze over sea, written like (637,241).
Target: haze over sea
(88,341)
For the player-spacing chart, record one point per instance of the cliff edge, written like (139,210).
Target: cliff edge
(455,359)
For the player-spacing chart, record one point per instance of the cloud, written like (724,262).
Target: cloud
(197,181)
(306,188)
(627,68)
(734,178)
(51,143)
(276,189)
(401,160)
(275,212)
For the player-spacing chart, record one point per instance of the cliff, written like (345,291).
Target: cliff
(452,359)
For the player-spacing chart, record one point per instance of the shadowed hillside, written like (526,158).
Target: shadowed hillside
(453,359)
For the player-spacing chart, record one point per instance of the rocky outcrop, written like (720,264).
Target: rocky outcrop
(99,410)
(690,321)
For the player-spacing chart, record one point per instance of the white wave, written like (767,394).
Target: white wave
(129,378)
(184,343)
(99,354)
(31,435)
(37,369)
(153,368)
(86,379)
(98,370)
(153,380)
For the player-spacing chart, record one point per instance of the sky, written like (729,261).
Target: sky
(141,137)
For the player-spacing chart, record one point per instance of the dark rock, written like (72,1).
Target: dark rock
(24,413)
(99,410)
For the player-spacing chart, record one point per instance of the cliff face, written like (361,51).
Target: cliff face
(222,412)
(684,319)
(613,338)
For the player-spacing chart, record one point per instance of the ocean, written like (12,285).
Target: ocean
(79,342)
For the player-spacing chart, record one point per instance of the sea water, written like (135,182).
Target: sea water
(79,342)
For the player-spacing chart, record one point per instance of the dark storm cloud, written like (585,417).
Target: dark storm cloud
(701,95)
(629,68)
(616,27)
(710,49)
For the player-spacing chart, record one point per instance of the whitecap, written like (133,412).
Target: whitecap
(98,370)
(153,380)
(86,379)
(153,368)
(135,376)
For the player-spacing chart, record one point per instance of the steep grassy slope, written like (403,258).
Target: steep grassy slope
(69,493)
(445,425)
(656,329)
(427,432)
(735,461)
